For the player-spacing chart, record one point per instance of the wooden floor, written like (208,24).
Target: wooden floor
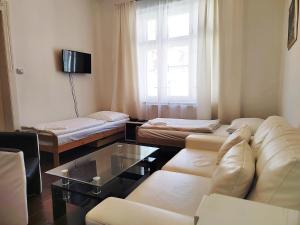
(40,207)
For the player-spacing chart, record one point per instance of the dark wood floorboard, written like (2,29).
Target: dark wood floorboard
(40,206)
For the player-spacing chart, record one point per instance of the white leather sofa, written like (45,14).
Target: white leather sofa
(173,194)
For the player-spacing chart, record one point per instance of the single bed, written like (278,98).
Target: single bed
(55,138)
(174,136)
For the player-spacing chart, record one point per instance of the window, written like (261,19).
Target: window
(167,51)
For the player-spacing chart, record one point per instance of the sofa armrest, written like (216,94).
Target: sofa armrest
(204,142)
(115,211)
(12,150)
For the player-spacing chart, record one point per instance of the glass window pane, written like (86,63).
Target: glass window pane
(178,56)
(179,25)
(151,30)
(152,72)
(178,81)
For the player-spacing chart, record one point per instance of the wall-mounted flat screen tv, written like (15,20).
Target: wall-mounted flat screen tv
(76,62)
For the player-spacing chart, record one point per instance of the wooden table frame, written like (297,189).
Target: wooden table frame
(49,142)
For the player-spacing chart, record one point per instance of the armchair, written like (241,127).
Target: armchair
(28,144)
(13,187)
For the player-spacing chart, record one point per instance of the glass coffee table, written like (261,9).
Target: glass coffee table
(114,170)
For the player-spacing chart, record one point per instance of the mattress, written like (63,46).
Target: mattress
(199,126)
(67,126)
(171,137)
(77,135)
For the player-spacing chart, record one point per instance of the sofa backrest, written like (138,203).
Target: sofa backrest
(265,128)
(278,167)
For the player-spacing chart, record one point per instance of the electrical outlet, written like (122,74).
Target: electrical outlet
(19,71)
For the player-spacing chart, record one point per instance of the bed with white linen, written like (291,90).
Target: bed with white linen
(172,132)
(102,127)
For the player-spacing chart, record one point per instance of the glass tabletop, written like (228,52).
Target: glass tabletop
(101,166)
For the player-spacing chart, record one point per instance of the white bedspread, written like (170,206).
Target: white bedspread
(199,126)
(68,126)
(77,135)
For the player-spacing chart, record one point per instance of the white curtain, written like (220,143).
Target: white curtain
(167,34)
(231,59)
(125,89)
(189,59)
(200,56)
(220,59)
(208,60)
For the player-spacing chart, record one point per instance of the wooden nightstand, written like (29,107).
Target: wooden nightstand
(130,130)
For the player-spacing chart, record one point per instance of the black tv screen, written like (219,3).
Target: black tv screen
(76,62)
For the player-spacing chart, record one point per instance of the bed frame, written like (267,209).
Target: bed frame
(161,141)
(49,142)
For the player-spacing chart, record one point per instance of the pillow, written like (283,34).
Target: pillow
(235,173)
(244,133)
(253,123)
(108,116)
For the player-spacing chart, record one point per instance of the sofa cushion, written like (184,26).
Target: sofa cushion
(235,172)
(177,192)
(244,133)
(204,141)
(193,161)
(264,129)
(278,169)
(253,123)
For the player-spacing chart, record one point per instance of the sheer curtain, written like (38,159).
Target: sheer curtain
(178,58)
(167,33)
(125,87)
(208,70)
(220,59)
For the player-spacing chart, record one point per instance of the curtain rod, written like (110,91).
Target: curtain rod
(123,1)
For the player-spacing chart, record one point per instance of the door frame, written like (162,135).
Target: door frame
(12,113)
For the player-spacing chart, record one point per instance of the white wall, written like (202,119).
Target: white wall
(290,96)
(40,29)
(262,47)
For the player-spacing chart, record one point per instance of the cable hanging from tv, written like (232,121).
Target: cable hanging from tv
(73,94)
(74,62)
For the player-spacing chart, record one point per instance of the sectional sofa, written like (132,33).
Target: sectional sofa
(263,168)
